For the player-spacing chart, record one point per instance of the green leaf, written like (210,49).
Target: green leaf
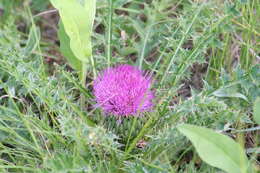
(78,19)
(39,5)
(216,149)
(64,162)
(65,49)
(33,40)
(256,112)
(229,92)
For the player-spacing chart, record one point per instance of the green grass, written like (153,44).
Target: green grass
(43,127)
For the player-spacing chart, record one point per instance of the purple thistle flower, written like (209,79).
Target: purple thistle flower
(123,91)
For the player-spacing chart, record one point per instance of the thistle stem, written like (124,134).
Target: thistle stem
(110,18)
(83,76)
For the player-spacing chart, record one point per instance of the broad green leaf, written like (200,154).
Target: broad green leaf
(216,149)
(65,49)
(77,19)
(256,112)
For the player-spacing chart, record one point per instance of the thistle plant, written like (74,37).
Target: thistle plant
(124,94)
(203,56)
(123,91)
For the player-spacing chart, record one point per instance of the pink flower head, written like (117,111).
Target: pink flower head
(123,91)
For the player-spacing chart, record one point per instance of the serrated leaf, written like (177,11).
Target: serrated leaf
(78,21)
(65,48)
(64,162)
(229,92)
(216,149)
(256,112)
